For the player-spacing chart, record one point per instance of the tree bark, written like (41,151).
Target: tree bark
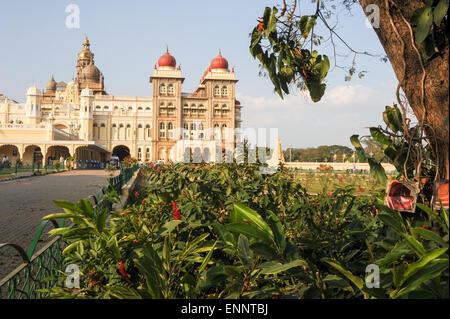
(430,108)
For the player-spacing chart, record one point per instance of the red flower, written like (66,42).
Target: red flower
(136,194)
(140,212)
(425,227)
(125,212)
(330,194)
(206,268)
(144,200)
(176,211)
(122,271)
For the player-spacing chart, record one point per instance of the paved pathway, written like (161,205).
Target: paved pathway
(24,202)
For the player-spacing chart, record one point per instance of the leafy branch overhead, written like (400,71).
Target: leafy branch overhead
(286,56)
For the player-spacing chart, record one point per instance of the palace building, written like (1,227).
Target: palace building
(81,119)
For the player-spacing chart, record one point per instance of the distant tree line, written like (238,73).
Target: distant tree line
(332,153)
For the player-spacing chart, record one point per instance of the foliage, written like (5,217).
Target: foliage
(287,56)
(431,27)
(226,231)
(403,145)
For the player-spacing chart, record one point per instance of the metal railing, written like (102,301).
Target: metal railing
(42,270)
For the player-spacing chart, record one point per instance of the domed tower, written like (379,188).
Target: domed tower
(88,75)
(85,56)
(167,81)
(51,86)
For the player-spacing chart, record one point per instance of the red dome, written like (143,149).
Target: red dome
(219,62)
(167,60)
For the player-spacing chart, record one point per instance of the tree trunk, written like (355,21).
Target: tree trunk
(432,108)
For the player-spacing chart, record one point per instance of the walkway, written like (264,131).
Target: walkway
(24,202)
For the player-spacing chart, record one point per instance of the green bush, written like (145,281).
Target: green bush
(227,231)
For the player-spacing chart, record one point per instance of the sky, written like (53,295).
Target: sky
(127,39)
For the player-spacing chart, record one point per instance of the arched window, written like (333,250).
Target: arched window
(224,125)
(128,125)
(162,132)
(224,91)
(95,124)
(140,126)
(224,106)
(162,89)
(216,90)
(216,125)
(116,107)
(98,107)
(170,89)
(102,125)
(148,108)
(130,108)
(139,153)
(148,131)
(139,108)
(186,126)
(193,126)
(200,126)
(114,125)
(170,129)
(120,125)
(106,107)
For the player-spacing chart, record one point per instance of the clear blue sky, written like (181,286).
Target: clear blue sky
(128,37)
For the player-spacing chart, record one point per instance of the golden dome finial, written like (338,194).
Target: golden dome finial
(86,43)
(167,49)
(220,54)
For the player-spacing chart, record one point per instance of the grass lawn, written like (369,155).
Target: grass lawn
(318,182)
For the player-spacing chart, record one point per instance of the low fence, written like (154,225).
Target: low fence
(15,170)
(41,269)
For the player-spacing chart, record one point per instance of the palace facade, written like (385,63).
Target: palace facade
(81,119)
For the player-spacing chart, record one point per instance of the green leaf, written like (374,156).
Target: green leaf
(423,261)
(277,230)
(249,230)
(167,228)
(440,11)
(379,136)
(429,235)
(60,215)
(377,171)
(245,254)
(86,208)
(242,213)
(224,234)
(354,139)
(358,282)
(101,219)
(424,22)
(67,205)
(275,267)
(414,244)
(432,270)
(207,258)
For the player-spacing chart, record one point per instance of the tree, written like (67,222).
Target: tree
(413,34)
